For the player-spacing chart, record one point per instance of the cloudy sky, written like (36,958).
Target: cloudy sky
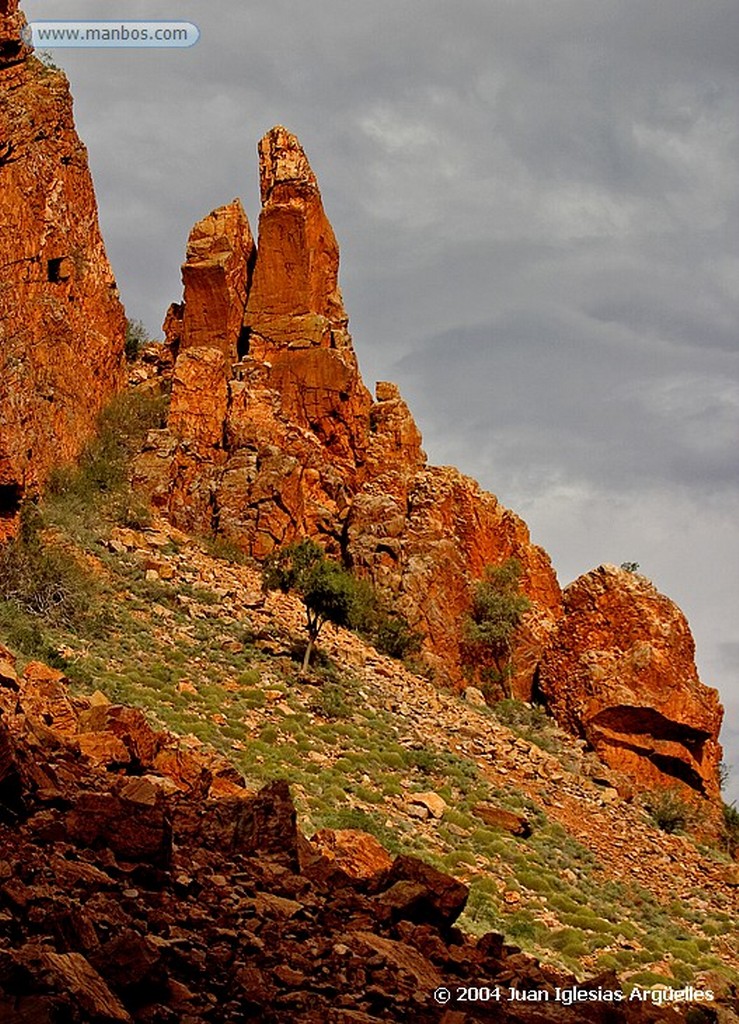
(537,206)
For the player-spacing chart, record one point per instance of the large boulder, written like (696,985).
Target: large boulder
(620,671)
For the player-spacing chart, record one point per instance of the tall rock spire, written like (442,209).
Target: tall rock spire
(297,272)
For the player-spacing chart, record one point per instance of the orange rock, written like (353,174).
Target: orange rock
(199,397)
(13,49)
(103,748)
(8,674)
(357,854)
(429,541)
(216,278)
(43,696)
(62,327)
(620,671)
(297,273)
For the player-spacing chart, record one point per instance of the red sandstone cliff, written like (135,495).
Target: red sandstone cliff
(62,327)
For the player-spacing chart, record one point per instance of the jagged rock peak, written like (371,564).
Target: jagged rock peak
(212,238)
(282,161)
(13,47)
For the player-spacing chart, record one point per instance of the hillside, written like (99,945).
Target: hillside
(557,860)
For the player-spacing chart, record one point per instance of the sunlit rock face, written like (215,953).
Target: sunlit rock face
(62,326)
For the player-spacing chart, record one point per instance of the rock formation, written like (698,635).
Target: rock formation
(62,327)
(129,896)
(620,672)
(287,442)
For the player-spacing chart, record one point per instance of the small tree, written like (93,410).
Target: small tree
(497,609)
(327,590)
(136,337)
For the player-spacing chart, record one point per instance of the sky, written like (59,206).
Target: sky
(536,202)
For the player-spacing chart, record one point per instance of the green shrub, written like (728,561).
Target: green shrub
(669,811)
(41,577)
(331,702)
(393,635)
(250,677)
(136,337)
(76,495)
(731,825)
(489,628)
(518,714)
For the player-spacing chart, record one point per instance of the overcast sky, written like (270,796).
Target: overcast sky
(537,204)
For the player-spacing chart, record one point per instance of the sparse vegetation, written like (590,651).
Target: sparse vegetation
(98,485)
(669,810)
(731,825)
(498,605)
(196,663)
(393,635)
(632,567)
(136,337)
(41,577)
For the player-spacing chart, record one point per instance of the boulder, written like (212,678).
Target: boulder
(133,830)
(498,817)
(420,893)
(267,825)
(344,855)
(620,672)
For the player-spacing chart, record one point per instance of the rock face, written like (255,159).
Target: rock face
(62,327)
(286,442)
(216,277)
(620,671)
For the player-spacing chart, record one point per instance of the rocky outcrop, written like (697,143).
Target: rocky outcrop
(287,442)
(216,277)
(125,900)
(13,48)
(620,672)
(62,327)
(423,541)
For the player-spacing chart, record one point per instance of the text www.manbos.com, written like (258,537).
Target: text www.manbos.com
(111,33)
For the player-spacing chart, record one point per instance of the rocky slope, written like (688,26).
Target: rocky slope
(62,327)
(141,880)
(272,437)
